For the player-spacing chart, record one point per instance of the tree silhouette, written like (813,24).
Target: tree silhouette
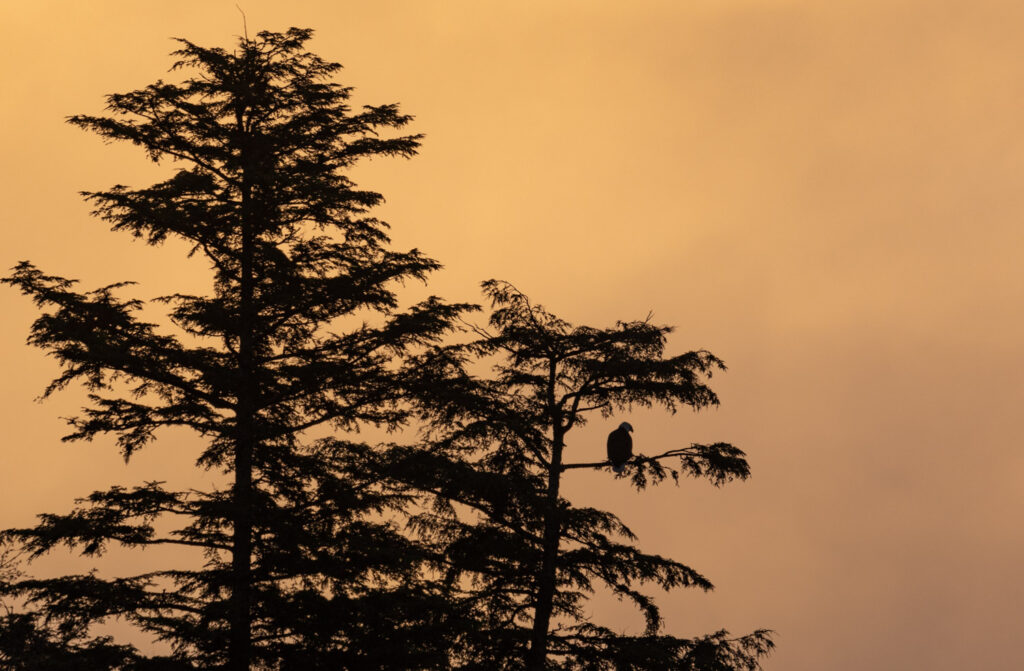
(510,548)
(302,567)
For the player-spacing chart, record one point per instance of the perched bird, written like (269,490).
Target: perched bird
(620,446)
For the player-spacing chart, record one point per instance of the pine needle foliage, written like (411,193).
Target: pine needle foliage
(510,549)
(301,328)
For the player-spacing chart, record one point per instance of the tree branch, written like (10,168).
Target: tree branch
(678,452)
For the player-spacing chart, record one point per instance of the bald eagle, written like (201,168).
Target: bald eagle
(620,446)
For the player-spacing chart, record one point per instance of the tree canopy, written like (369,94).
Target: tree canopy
(301,328)
(458,551)
(515,551)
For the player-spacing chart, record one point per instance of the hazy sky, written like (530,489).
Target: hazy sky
(825,194)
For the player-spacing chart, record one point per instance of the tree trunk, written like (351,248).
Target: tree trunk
(548,574)
(240,635)
(239,652)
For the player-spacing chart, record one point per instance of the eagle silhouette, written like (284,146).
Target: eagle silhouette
(620,446)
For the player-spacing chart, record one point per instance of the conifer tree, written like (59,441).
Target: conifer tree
(509,548)
(302,571)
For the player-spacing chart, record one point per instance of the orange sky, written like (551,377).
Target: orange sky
(825,194)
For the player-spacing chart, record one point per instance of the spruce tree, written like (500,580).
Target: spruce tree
(301,328)
(509,548)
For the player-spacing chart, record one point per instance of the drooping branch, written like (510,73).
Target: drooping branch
(720,462)
(636,457)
